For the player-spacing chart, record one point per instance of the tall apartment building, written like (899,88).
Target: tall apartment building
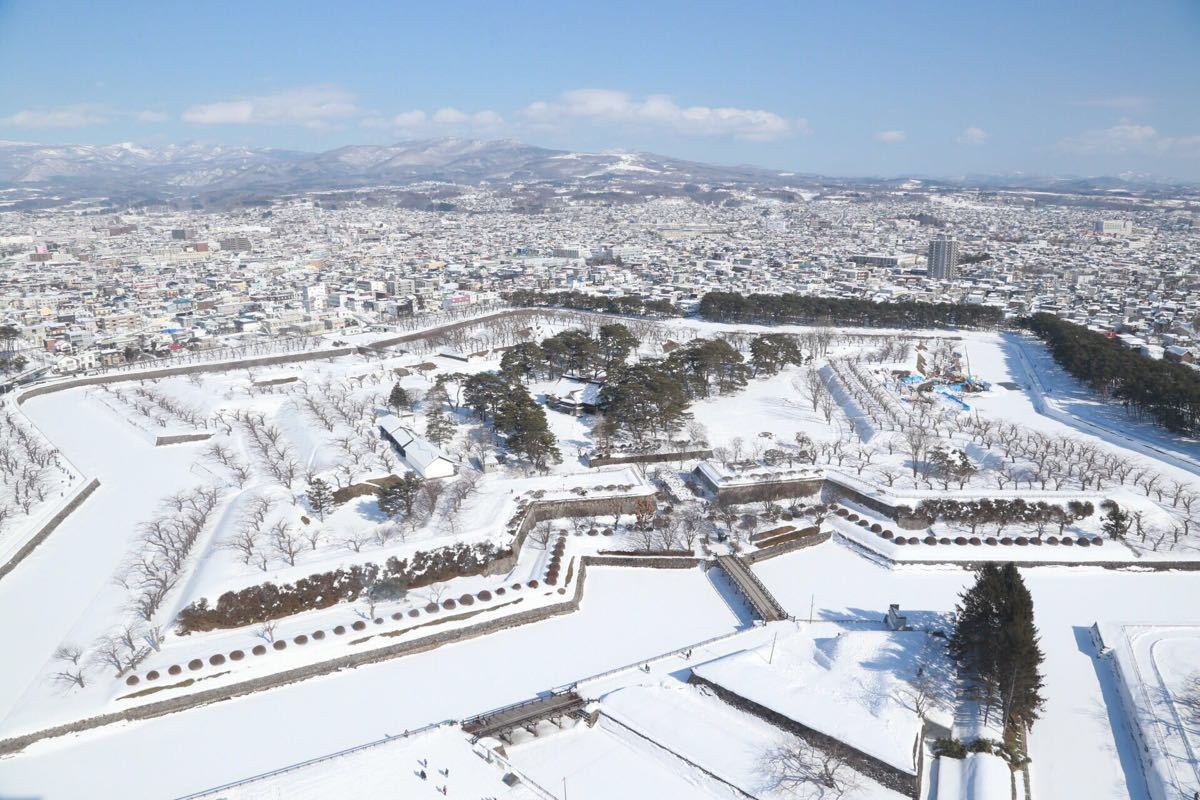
(315,298)
(943,258)
(1113,227)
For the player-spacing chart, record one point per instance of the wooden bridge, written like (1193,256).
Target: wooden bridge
(503,721)
(751,588)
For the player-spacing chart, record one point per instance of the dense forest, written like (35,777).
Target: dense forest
(587,302)
(799,309)
(1167,392)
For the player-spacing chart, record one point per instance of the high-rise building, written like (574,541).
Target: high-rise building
(943,258)
(1113,227)
(315,298)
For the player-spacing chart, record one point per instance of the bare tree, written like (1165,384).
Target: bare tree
(801,769)
(356,540)
(916,440)
(539,535)
(69,653)
(810,385)
(286,541)
(920,694)
(69,677)
(313,535)
(266,631)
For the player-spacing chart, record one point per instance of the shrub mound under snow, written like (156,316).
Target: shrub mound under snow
(266,601)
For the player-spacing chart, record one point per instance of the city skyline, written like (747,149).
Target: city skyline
(872,89)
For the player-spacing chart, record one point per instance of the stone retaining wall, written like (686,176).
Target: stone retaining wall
(787,547)
(835,491)
(539,510)
(181,438)
(653,562)
(769,490)
(49,527)
(193,369)
(649,458)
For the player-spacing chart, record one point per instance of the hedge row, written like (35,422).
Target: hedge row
(267,601)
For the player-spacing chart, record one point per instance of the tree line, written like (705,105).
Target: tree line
(801,309)
(1167,392)
(579,301)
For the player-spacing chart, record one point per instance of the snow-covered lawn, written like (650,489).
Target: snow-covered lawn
(600,764)
(727,742)
(1081,746)
(627,616)
(858,686)
(393,769)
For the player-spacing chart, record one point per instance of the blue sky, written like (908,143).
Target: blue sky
(843,88)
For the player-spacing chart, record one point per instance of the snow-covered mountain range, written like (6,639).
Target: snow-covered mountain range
(187,169)
(176,172)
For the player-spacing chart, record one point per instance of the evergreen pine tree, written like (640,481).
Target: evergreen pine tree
(320,497)
(996,644)
(398,398)
(526,431)
(1116,522)
(400,496)
(439,428)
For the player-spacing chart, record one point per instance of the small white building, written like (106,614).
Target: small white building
(422,456)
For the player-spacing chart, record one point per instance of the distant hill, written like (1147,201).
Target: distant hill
(177,171)
(132,173)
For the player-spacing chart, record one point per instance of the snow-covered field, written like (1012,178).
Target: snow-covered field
(1081,747)
(627,616)
(856,686)
(275,430)
(418,765)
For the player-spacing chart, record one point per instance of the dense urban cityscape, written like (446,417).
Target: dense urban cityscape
(86,289)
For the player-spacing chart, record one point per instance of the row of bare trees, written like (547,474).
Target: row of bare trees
(28,468)
(163,546)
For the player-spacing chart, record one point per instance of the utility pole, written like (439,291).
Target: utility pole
(812,601)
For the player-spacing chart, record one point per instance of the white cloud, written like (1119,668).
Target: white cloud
(74,116)
(449,116)
(974,135)
(487,119)
(608,106)
(440,121)
(1126,103)
(890,136)
(151,116)
(410,119)
(310,106)
(1130,137)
